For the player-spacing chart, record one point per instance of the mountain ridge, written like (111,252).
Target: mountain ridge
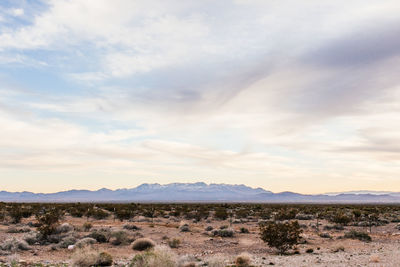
(199,192)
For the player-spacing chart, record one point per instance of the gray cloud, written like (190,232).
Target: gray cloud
(359,47)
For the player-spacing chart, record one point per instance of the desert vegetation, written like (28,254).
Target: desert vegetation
(219,234)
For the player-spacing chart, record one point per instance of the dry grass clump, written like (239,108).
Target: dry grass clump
(374,259)
(131,227)
(84,242)
(174,243)
(87,257)
(143,244)
(87,226)
(362,236)
(64,228)
(243,260)
(338,249)
(120,238)
(184,228)
(226,232)
(160,256)
(67,241)
(216,261)
(15,230)
(14,244)
(31,238)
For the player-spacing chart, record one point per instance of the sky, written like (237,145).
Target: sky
(285,95)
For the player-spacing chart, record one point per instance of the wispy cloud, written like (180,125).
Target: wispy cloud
(285,94)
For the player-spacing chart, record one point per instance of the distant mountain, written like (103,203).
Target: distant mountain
(198,192)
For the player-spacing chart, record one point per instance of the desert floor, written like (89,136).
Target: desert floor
(383,250)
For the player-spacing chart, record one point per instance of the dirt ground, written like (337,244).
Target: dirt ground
(383,250)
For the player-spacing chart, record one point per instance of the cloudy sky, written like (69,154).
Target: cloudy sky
(286,95)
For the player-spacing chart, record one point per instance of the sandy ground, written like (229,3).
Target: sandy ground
(384,250)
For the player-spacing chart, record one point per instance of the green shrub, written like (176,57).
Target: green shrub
(309,250)
(224,232)
(362,236)
(282,236)
(244,230)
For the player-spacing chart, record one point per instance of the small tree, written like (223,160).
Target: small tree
(282,236)
(221,213)
(16,213)
(48,220)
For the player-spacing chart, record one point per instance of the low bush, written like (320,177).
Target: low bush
(87,226)
(88,257)
(159,257)
(243,260)
(67,241)
(120,238)
(31,238)
(101,235)
(64,228)
(209,228)
(362,236)
(14,244)
(244,230)
(143,244)
(224,232)
(184,228)
(84,242)
(174,243)
(15,230)
(325,235)
(131,227)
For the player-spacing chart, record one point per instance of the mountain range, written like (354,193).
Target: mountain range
(199,192)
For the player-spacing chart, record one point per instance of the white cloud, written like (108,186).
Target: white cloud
(170,90)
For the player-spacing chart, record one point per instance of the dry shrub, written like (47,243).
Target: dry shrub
(120,238)
(374,259)
(243,260)
(226,232)
(160,256)
(143,244)
(64,228)
(87,226)
(14,244)
(31,238)
(16,230)
(216,261)
(87,257)
(67,241)
(84,242)
(174,243)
